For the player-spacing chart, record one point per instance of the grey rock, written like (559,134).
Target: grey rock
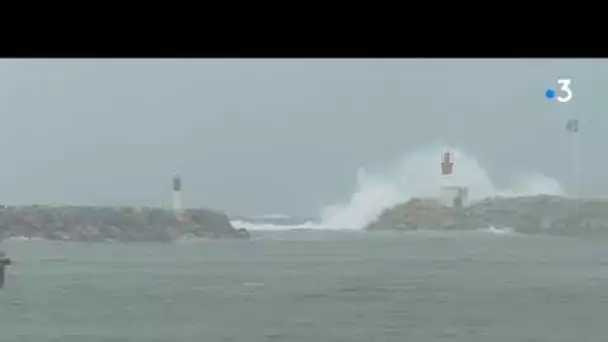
(95,224)
(532,215)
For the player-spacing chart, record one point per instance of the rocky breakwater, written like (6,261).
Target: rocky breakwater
(113,224)
(531,215)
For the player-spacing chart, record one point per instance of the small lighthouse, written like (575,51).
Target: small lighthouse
(452,194)
(177,194)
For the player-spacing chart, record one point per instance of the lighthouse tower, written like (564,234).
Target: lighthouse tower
(452,194)
(177,194)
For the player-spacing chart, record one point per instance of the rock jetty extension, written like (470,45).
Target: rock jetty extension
(73,223)
(530,215)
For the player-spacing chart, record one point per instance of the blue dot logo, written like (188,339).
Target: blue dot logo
(550,94)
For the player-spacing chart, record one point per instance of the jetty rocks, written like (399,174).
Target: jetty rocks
(530,215)
(74,223)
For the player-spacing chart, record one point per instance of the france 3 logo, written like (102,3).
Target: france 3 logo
(565,91)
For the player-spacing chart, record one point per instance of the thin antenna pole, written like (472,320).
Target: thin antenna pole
(574,130)
(577,162)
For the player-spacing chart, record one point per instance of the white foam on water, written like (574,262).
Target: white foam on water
(416,175)
(240,224)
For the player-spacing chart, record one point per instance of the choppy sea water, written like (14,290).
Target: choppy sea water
(310,287)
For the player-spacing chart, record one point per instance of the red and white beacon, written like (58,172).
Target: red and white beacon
(452,194)
(447,164)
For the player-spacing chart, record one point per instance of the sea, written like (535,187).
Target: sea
(321,280)
(310,285)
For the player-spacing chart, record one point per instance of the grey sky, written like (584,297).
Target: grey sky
(260,136)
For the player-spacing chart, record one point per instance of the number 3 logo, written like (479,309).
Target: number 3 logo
(565,87)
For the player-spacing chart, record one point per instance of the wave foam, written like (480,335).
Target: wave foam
(22,239)
(499,231)
(239,224)
(416,176)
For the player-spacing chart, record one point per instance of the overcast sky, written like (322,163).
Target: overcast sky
(261,136)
